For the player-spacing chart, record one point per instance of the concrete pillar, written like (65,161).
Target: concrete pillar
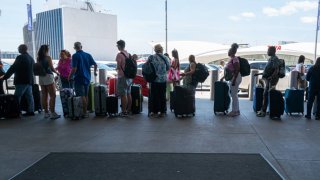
(214,76)
(294,80)
(253,81)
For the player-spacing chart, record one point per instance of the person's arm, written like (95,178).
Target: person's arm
(236,72)
(51,66)
(309,74)
(74,63)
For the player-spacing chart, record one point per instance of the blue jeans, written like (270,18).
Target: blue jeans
(311,99)
(25,89)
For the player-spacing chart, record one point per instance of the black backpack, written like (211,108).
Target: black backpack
(130,68)
(201,73)
(244,67)
(149,72)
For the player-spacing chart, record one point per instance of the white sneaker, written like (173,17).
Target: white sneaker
(54,116)
(46,115)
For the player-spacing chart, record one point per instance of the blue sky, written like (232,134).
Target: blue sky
(142,21)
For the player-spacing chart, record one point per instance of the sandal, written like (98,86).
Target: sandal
(123,114)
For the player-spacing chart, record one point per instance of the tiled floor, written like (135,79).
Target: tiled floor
(291,145)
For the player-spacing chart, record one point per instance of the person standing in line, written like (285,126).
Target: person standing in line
(123,83)
(174,72)
(313,76)
(64,68)
(301,76)
(81,71)
(233,66)
(270,76)
(158,87)
(188,80)
(46,82)
(22,68)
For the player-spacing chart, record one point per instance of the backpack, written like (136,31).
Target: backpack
(244,67)
(201,73)
(38,69)
(149,71)
(282,69)
(130,68)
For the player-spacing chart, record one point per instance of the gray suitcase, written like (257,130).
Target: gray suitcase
(100,96)
(75,107)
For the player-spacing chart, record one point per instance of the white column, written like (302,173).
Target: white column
(214,77)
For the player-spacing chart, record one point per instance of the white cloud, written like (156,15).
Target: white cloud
(248,14)
(308,20)
(290,8)
(244,15)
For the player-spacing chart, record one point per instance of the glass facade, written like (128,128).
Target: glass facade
(48,30)
(9,55)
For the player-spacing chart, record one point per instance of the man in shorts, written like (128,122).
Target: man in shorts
(123,83)
(81,70)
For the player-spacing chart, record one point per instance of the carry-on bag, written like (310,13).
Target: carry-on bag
(221,97)
(112,100)
(276,104)
(9,105)
(91,97)
(136,95)
(183,101)
(75,107)
(100,95)
(36,100)
(294,101)
(65,94)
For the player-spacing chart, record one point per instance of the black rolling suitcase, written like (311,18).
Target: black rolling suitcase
(100,104)
(136,94)
(276,104)
(183,101)
(9,105)
(112,105)
(36,98)
(221,97)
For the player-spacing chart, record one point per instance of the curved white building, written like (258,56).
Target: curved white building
(206,52)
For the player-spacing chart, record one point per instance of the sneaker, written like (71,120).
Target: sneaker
(54,116)
(46,115)
(261,114)
(123,114)
(307,116)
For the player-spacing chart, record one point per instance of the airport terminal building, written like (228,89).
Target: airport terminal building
(65,22)
(208,53)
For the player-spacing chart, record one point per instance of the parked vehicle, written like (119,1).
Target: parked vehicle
(283,83)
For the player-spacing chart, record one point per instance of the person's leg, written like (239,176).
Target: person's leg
(265,100)
(85,99)
(1,87)
(52,101)
(318,106)
(311,98)
(19,91)
(162,98)
(30,99)
(155,95)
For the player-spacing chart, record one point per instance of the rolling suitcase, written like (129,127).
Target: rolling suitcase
(294,101)
(258,99)
(221,97)
(75,107)
(276,104)
(91,97)
(65,94)
(112,105)
(100,95)
(9,105)
(136,95)
(183,101)
(172,101)
(36,99)
(112,83)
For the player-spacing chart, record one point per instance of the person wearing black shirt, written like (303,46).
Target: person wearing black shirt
(22,68)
